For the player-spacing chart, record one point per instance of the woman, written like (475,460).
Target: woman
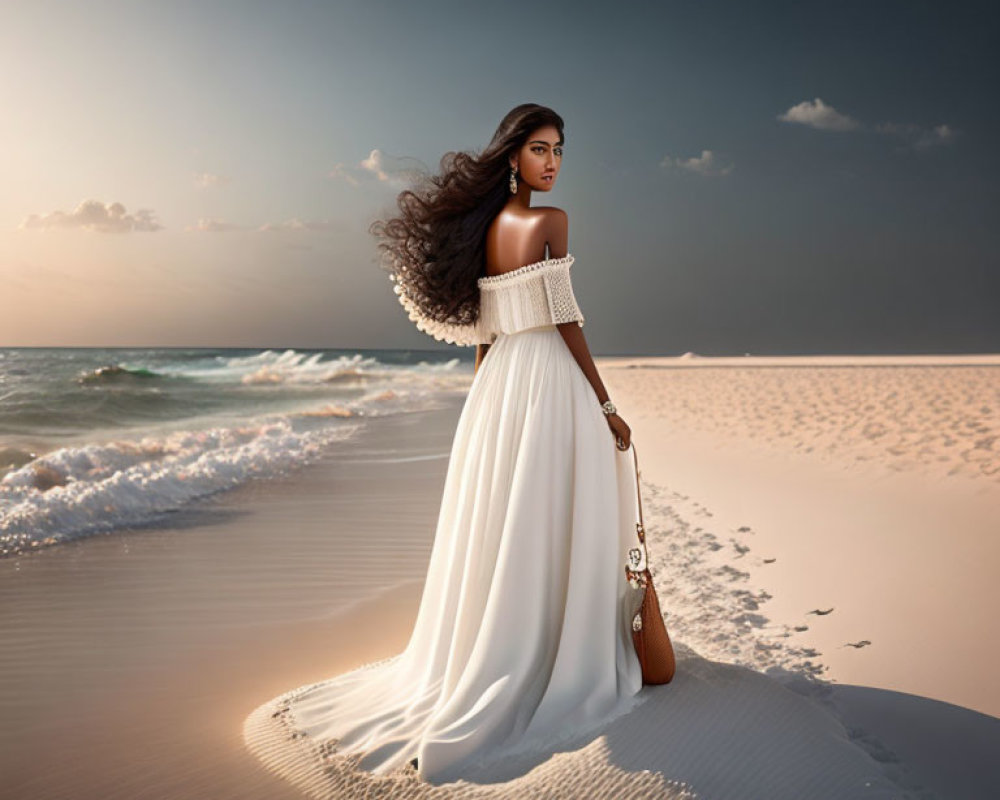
(521,639)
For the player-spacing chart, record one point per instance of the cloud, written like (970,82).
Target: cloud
(340,171)
(301,225)
(212,225)
(705,164)
(215,225)
(817,114)
(93,215)
(209,180)
(396,171)
(917,136)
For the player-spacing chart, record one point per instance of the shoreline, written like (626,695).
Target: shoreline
(700,361)
(132,658)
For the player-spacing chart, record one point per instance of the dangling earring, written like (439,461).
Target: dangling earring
(513,180)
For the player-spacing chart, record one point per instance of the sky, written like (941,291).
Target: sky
(766,178)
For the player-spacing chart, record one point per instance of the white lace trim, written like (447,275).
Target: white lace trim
(514,275)
(535,294)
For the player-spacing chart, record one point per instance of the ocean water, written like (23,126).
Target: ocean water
(94,439)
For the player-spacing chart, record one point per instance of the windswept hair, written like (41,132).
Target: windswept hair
(435,249)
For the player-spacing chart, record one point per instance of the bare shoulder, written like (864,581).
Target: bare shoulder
(528,233)
(552,214)
(556,229)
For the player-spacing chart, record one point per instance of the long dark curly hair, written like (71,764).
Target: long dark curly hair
(435,249)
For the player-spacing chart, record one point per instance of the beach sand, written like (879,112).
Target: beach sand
(876,491)
(141,663)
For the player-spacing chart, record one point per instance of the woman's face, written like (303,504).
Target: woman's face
(539,159)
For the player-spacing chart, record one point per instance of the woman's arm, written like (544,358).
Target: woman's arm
(572,334)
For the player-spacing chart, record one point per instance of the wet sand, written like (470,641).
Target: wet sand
(130,660)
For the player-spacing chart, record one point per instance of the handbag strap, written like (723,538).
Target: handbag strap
(640,527)
(638,494)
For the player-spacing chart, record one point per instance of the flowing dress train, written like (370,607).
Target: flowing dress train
(522,638)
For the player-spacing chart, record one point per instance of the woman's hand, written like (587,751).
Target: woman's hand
(622,432)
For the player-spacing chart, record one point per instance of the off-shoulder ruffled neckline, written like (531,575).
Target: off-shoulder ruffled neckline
(503,277)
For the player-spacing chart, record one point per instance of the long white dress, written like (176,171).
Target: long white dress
(522,638)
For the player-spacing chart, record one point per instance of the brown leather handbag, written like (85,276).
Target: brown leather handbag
(649,633)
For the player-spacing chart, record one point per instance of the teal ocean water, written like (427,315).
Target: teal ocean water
(95,439)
